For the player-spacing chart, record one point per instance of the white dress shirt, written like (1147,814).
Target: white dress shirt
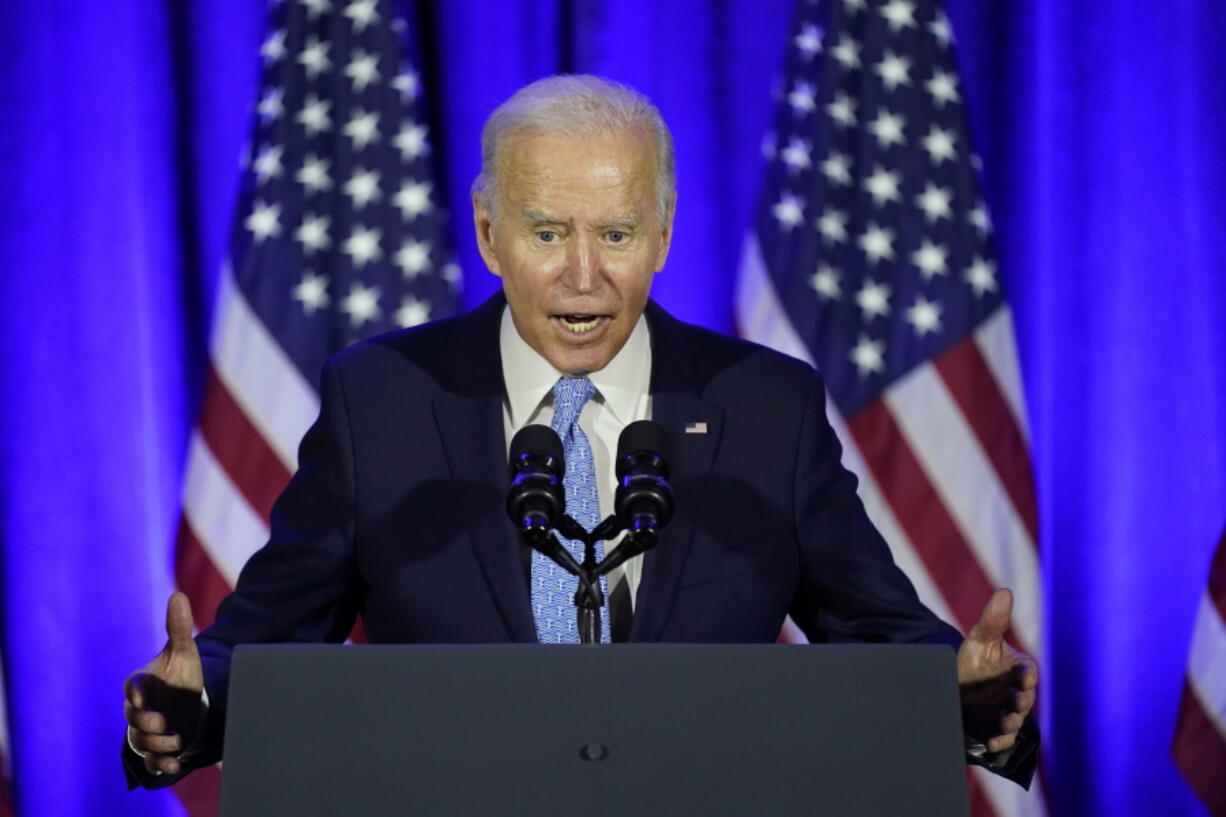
(623,395)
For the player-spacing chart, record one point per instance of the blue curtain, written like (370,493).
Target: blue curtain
(1099,122)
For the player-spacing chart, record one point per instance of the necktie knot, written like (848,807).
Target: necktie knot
(570,394)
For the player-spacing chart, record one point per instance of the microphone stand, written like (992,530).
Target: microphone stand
(589,598)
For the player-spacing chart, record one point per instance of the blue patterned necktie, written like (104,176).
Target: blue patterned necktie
(553,589)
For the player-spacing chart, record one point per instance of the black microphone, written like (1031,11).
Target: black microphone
(536,498)
(643,501)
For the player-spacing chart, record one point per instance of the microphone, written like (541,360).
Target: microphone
(536,497)
(643,501)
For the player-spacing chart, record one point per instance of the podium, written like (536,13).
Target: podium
(618,729)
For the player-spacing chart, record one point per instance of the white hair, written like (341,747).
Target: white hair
(575,106)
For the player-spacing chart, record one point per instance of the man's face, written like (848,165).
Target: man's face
(578,239)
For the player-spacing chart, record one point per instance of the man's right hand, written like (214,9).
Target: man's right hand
(163,700)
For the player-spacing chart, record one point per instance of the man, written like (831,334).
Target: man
(396,511)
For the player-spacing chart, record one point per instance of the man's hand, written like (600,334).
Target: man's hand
(162,705)
(997,683)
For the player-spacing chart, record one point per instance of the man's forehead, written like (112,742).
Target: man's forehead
(614,218)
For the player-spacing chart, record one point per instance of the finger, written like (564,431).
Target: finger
(157,744)
(1023,702)
(1001,743)
(179,622)
(1027,673)
(136,690)
(153,723)
(994,620)
(1010,724)
(162,763)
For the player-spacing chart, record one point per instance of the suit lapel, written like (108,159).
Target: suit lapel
(675,404)
(469,416)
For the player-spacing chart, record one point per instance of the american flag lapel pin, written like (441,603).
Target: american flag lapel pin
(695,428)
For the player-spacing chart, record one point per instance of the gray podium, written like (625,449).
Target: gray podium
(622,729)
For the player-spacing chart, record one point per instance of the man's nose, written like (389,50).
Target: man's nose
(583,265)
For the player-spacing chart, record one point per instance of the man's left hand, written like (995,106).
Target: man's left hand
(996,682)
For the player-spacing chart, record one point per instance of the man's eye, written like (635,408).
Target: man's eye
(616,236)
(547,236)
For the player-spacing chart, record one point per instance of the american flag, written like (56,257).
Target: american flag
(1200,734)
(870,257)
(338,236)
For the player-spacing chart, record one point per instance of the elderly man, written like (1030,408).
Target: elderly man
(397,509)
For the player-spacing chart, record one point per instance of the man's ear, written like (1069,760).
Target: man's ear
(666,234)
(483,223)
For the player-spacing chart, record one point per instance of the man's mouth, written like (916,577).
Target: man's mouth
(580,324)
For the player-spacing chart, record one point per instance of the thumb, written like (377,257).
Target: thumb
(994,620)
(179,623)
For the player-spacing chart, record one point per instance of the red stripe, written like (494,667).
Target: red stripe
(197,576)
(923,516)
(6,792)
(978,394)
(200,792)
(981,806)
(1200,753)
(1217,579)
(240,448)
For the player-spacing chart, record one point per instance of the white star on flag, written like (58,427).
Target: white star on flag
(412,312)
(888,128)
(313,175)
(413,257)
(837,168)
(312,234)
(363,187)
(312,292)
(268,164)
(789,211)
(869,356)
(826,282)
(809,40)
(363,128)
(407,83)
(411,141)
(874,299)
(271,106)
(899,14)
(940,145)
(361,304)
(894,71)
(925,316)
(264,221)
(273,48)
(314,58)
(877,243)
(363,69)
(316,7)
(935,202)
(847,52)
(796,154)
(943,88)
(833,226)
(362,13)
(882,186)
(314,115)
(803,98)
(842,110)
(363,245)
(981,275)
(930,258)
(413,199)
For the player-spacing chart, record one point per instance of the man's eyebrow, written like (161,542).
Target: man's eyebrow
(628,220)
(537,217)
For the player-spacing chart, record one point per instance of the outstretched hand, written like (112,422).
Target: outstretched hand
(163,701)
(996,682)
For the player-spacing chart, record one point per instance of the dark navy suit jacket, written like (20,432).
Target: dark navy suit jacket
(397,511)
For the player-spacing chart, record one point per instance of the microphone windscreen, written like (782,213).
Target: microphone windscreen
(642,436)
(536,439)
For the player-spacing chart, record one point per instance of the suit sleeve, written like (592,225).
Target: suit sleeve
(303,585)
(851,589)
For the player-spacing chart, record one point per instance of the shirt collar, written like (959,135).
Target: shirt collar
(529,378)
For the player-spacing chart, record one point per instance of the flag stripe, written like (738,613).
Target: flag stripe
(996,342)
(1007,797)
(760,316)
(981,805)
(227,527)
(262,379)
(199,792)
(984,407)
(937,540)
(197,576)
(1207,662)
(937,434)
(240,448)
(1200,752)
(1217,581)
